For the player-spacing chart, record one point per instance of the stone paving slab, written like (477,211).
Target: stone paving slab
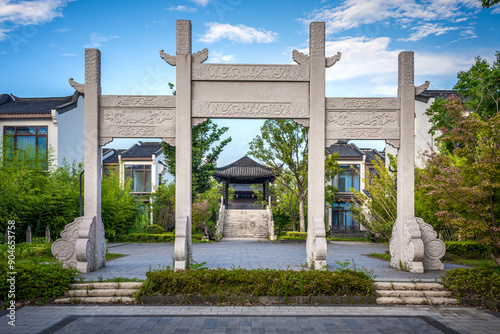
(260,319)
(253,254)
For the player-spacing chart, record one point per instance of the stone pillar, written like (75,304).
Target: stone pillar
(316,242)
(226,192)
(47,234)
(92,161)
(28,235)
(183,178)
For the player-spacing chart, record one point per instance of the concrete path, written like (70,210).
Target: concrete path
(112,319)
(252,254)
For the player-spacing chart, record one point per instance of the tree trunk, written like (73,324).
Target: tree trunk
(301,214)
(496,259)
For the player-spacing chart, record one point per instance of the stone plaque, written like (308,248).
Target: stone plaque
(237,72)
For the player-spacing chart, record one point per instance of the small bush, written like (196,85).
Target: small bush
(481,284)
(38,249)
(142,237)
(36,280)
(469,249)
(295,236)
(154,229)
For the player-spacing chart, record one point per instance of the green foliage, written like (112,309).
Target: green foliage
(295,236)
(36,280)
(164,206)
(478,283)
(154,229)
(143,237)
(468,249)
(489,3)
(207,146)
(257,282)
(40,248)
(377,212)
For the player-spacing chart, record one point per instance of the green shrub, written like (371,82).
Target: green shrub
(257,282)
(38,249)
(36,280)
(295,236)
(154,229)
(142,237)
(467,249)
(481,284)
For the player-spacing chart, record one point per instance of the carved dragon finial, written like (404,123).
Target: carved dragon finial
(420,89)
(330,61)
(80,88)
(300,58)
(200,56)
(168,58)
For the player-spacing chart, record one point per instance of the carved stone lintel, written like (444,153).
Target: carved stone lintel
(420,89)
(434,249)
(197,120)
(393,142)
(168,58)
(80,88)
(200,56)
(330,61)
(137,101)
(244,72)
(250,109)
(300,58)
(363,103)
(169,140)
(105,140)
(302,121)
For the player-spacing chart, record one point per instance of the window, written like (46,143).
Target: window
(140,176)
(29,140)
(348,178)
(341,218)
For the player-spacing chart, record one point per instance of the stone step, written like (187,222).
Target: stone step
(95,300)
(416,301)
(413,293)
(105,285)
(408,286)
(103,293)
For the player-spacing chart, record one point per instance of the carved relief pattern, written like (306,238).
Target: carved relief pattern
(405,69)
(168,58)
(196,121)
(251,109)
(434,249)
(300,58)
(394,143)
(104,140)
(136,131)
(92,65)
(361,132)
(183,37)
(62,249)
(361,103)
(250,72)
(130,117)
(302,121)
(394,246)
(330,61)
(200,56)
(317,39)
(350,118)
(137,101)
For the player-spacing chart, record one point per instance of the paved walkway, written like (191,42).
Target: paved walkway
(251,254)
(111,319)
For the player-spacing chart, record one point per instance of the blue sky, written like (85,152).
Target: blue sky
(42,43)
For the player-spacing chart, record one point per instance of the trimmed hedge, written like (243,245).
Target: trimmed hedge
(146,238)
(257,282)
(295,236)
(154,229)
(36,280)
(467,248)
(479,284)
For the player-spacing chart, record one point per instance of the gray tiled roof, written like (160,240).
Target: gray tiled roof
(346,150)
(372,154)
(143,150)
(13,105)
(245,169)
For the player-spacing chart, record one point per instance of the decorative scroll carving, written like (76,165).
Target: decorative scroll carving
(80,247)
(169,140)
(300,58)
(200,56)
(156,101)
(420,89)
(405,68)
(319,246)
(136,131)
(105,140)
(371,118)
(334,103)
(196,120)
(354,133)
(130,117)
(250,72)
(413,251)
(317,39)
(183,39)
(180,247)
(434,249)
(80,88)
(168,58)
(393,142)
(250,109)
(302,121)
(92,65)
(330,61)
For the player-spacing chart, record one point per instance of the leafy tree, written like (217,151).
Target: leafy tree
(377,211)
(207,146)
(164,206)
(466,182)
(489,3)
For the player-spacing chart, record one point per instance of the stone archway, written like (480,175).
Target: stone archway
(207,90)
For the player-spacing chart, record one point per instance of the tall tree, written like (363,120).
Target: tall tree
(207,146)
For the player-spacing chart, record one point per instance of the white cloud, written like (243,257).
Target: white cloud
(69,55)
(426,30)
(219,57)
(62,30)
(96,40)
(18,13)
(181,8)
(239,34)
(202,3)
(496,10)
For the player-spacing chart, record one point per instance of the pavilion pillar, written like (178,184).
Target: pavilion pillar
(316,242)
(183,155)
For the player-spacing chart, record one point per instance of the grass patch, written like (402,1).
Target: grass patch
(359,239)
(114,256)
(382,256)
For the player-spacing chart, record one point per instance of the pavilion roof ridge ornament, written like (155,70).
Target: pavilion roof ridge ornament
(303,59)
(420,89)
(80,88)
(330,61)
(168,58)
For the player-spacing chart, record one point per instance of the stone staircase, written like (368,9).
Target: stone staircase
(103,292)
(397,293)
(245,224)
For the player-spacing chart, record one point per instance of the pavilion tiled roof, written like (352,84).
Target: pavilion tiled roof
(244,169)
(346,150)
(13,105)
